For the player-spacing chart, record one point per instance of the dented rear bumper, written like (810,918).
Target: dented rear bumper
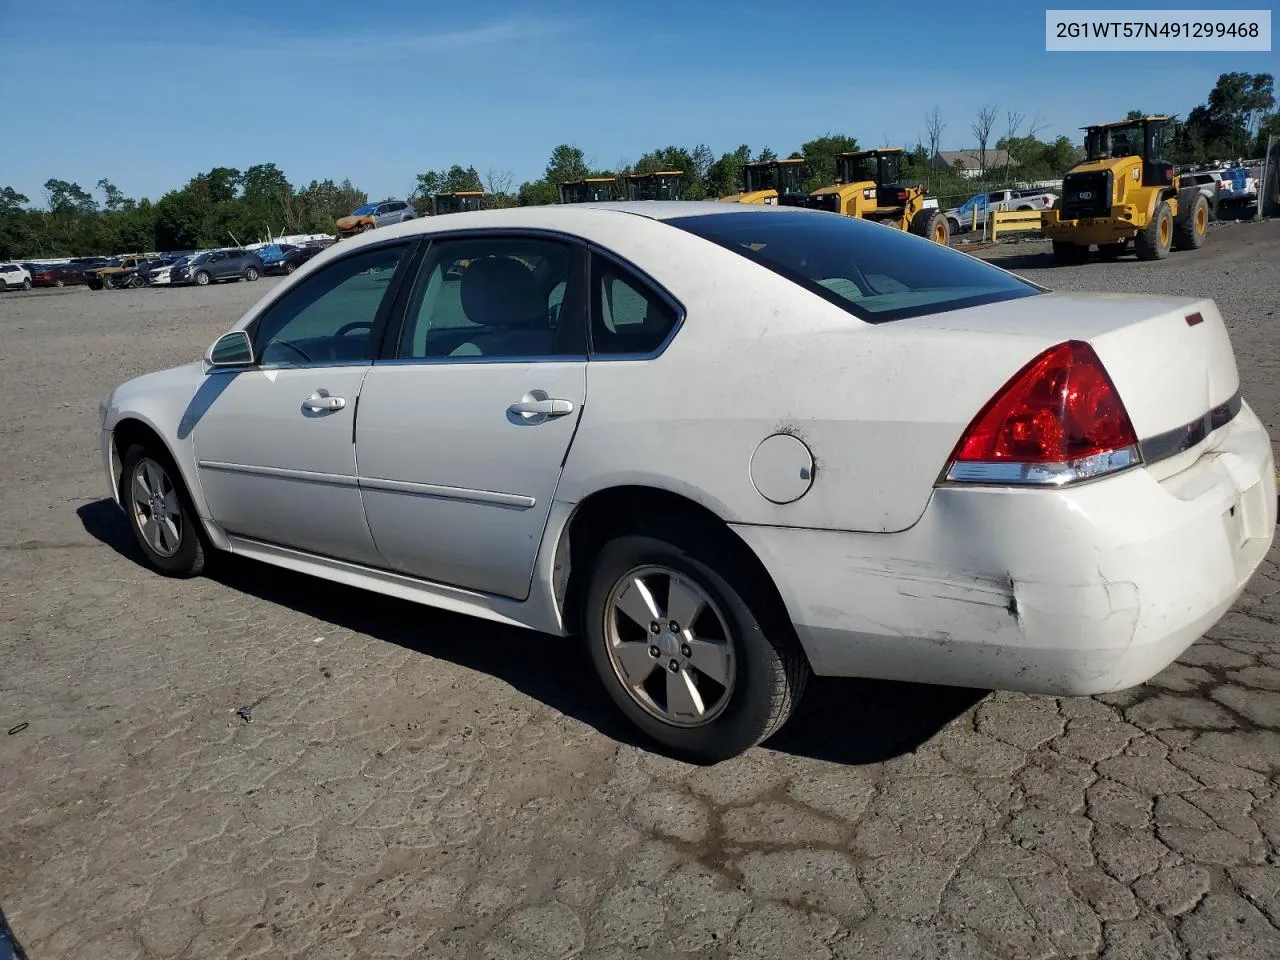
(1077,590)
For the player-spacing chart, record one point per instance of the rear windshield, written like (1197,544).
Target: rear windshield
(875,272)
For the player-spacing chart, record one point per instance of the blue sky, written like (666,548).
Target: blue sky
(148,93)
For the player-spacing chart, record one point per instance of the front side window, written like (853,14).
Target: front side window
(876,273)
(330,317)
(496,298)
(627,317)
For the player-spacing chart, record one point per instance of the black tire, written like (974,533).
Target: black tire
(770,670)
(931,225)
(1192,223)
(251,274)
(26,284)
(1110,251)
(1067,253)
(108,283)
(1156,239)
(289,267)
(1023,208)
(188,559)
(202,278)
(59,282)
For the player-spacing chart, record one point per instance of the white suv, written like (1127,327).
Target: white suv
(13,276)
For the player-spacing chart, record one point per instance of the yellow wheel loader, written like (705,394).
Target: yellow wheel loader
(764,181)
(590,190)
(459,201)
(659,185)
(869,185)
(1125,191)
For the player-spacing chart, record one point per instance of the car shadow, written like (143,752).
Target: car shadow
(847,721)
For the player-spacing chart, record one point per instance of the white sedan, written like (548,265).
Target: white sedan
(727,447)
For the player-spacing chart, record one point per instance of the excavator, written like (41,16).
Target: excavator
(659,185)
(765,181)
(869,185)
(589,190)
(459,201)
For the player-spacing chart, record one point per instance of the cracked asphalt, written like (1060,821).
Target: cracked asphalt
(415,784)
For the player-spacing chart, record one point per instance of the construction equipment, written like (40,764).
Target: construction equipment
(1125,191)
(458,201)
(869,185)
(764,181)
(659,185)
(589,190)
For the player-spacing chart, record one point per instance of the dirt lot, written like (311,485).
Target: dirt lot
(414,784)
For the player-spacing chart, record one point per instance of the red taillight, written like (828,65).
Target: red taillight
(1059,419)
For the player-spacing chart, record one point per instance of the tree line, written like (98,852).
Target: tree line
(226,206)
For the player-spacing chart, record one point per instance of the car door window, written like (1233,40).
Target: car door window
(331,316)
(495,298)
(627,315)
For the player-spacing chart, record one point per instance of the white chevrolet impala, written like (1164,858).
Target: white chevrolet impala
(727,447)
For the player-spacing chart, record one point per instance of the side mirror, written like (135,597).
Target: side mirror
(233,349)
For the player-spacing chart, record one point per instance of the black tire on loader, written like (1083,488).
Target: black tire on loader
(1156,240)
(1191,226)
(931,225)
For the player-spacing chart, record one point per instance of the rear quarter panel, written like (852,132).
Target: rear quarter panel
(880,407)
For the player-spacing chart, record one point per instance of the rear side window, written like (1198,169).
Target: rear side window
(875,272)
(627,316)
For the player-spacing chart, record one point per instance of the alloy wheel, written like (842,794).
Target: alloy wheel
(156,509)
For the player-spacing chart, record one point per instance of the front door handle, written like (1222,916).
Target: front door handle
(541,408)
(321,402)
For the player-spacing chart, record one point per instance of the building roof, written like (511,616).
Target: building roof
(972,159)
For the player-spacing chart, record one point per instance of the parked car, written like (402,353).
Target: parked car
(1210,184)
(57,275)
(954,476)
(14,276)
(960,218)
(160,276)
(284,258)
(216,265)
(374,215)
(117,272)
(87,262)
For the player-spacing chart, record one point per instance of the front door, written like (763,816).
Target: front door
(275,442)
(462,436)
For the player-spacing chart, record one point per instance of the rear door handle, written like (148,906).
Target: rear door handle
(544,408)
(320,402)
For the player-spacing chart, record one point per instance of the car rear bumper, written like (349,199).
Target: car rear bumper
(1079,590)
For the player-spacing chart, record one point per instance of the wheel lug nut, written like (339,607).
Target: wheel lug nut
(685,651)
(655,652)
(674,666)
(654,628)
(675,627)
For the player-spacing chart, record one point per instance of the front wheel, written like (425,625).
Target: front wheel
(203,279)
(682,651)
(162,521)
(59,283)
(1155,240)
(289,268)
(26,284)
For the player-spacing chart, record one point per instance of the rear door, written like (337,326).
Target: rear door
(462,435)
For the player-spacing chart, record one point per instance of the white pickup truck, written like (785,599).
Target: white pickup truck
(961,218)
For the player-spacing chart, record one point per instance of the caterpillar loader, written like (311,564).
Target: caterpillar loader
(459,201)
(660,185)
(1125,191)
(590,190)
(869,185)
(764,181)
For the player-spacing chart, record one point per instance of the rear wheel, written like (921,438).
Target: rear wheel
(1156,239)
(1192,223)
(160,514)
(931,225)
(680,648)
(1067,253)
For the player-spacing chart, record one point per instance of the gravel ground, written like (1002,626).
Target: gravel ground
(414,784)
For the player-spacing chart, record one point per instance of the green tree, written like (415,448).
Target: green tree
(820,158)
(724,176)
(567,164)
